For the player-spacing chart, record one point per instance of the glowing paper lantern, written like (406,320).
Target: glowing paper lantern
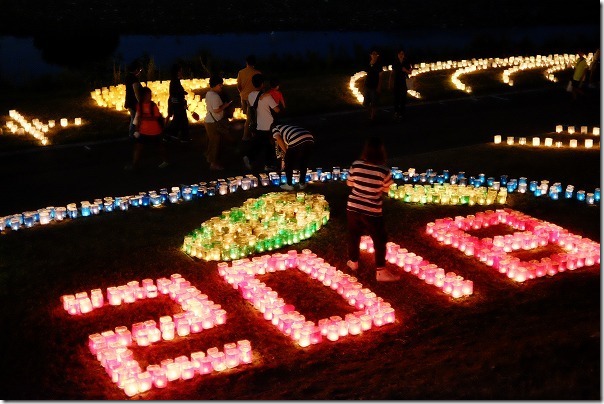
(559,129)
(573,143)
(497,139)
(589,143)
(510,140)
(596,131)
(536,141)
(548,141)
(571,130)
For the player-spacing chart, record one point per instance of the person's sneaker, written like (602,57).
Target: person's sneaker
(246,162)
(287,187)
(302,186)
(386,275)
(353,265)
(163,165)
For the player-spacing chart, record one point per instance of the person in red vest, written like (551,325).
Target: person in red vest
(149,125)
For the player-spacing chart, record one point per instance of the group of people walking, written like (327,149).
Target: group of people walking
(265,138)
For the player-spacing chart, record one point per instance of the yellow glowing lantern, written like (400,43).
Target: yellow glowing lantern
(497,139)
(573,143)
(522,141)
(596,131)
(510,140)
(548,141)
(536,141)
(63,122)
(78,121)
(559,129)
(584,130)
(571,130)
(589,143)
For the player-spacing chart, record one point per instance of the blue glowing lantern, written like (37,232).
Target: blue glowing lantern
(581,195)
(533,186)
(597,195)
(503,179)
(569,191)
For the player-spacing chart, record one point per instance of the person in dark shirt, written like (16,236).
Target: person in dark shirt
(178,127)
(133,86)
(373,84)
(401,69)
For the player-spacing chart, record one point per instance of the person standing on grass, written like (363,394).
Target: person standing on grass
(297,144)
(277,95)
(217,126)
(178,126)
(373,84)
(148,123)
(133,87)
(369,178)
(245,87)
(401,69)
(579,75)
(262,147)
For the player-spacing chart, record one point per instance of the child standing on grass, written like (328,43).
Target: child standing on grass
(369,179)
(149,124)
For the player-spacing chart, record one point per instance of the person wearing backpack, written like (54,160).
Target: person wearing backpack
(149,126)
(261,108)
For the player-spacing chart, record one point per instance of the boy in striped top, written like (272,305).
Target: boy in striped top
(297,144)
(369,179)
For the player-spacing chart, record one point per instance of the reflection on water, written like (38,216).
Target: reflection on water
(21,60)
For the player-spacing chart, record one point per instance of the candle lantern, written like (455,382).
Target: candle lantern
(559,129)
(63,122)
(596,131)
(589,198)
(497,139)
(569,191)
(584,130)
(536,141)
(548,141)
(72,211)
(573,143)
(533,186)
(28,219)
(571,130)
(581,195)
(44,217)
(589,143)
(522,141)
(77,121)
(597,194)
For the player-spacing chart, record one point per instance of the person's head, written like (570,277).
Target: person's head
(258,81)
(216,83)
(146,94)
(374,151)
(135,67)
(374,54)
(176,71)
(250,60)
(274,83)
(400,54)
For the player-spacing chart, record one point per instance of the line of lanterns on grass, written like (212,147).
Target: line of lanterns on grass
(588,143)
(513,64)
(372,311)
(111,347)
(532,233)
(36,128)
(450,283)
(427,179)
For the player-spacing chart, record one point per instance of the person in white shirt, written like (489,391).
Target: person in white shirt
(215,123)
(262,147)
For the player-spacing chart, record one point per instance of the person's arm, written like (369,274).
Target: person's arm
(137,90)
(279,139)
(388,181)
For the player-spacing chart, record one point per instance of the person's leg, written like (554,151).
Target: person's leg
(246,127)
(377,231)
(213,143)
(289,159)
(182,124)
(132,127)
(355,231)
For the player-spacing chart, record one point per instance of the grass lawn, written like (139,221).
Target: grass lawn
(538,339)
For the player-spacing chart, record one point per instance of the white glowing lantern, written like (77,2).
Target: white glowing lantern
(571,130)
(510,140)
(63,122)
(596,131)
(51,123)
(536,141)
(522,141)
(497,139)
(548,141)
(558,143)
(589,143)
(573,143)
(78,121)
(584,130)
(559,129)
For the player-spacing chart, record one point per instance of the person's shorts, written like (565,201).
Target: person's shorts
(149,139)
(370,98)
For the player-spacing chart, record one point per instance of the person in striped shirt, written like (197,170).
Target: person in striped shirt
(369,178)
(297,144)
